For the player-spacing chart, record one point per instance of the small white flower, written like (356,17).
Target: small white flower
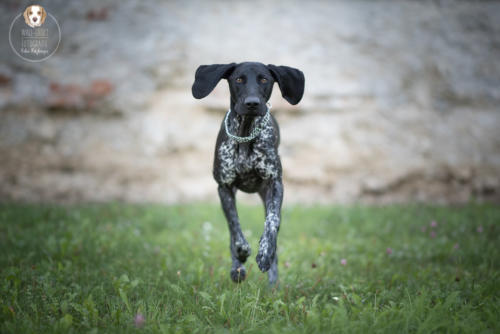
(207,227)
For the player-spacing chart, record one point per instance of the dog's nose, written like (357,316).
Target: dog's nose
(34,19)
(252,101)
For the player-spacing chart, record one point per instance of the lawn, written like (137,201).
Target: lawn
(119,268)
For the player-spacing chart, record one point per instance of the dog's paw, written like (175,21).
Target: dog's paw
(238,273)
(242,250)
(266,253)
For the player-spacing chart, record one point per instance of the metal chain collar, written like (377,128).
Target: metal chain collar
(255,131)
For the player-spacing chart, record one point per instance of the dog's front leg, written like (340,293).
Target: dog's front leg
(240,249)
(267,259)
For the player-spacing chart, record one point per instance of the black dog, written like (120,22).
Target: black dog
(246,152)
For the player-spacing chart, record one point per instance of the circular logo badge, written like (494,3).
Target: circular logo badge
(35,34)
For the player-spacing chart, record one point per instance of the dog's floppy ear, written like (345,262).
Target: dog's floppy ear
(44,15)
(208,76)
(290,80)
(25,14)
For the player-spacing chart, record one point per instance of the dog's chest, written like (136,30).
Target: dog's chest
(245,161)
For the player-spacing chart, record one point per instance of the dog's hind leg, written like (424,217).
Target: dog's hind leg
(240,249)
(267,259)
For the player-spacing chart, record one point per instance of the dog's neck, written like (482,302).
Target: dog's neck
(242,125)
(245,125)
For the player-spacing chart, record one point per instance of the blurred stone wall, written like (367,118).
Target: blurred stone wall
(401,101)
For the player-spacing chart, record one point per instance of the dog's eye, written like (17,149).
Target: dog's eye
(239,80)
(263,80)
(31,13)
(39,13)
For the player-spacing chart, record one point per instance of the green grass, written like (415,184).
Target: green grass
(92,269)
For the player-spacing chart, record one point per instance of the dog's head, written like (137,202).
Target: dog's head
(250,84)
(34,15)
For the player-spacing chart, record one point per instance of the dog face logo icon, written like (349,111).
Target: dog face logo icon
(34,16)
